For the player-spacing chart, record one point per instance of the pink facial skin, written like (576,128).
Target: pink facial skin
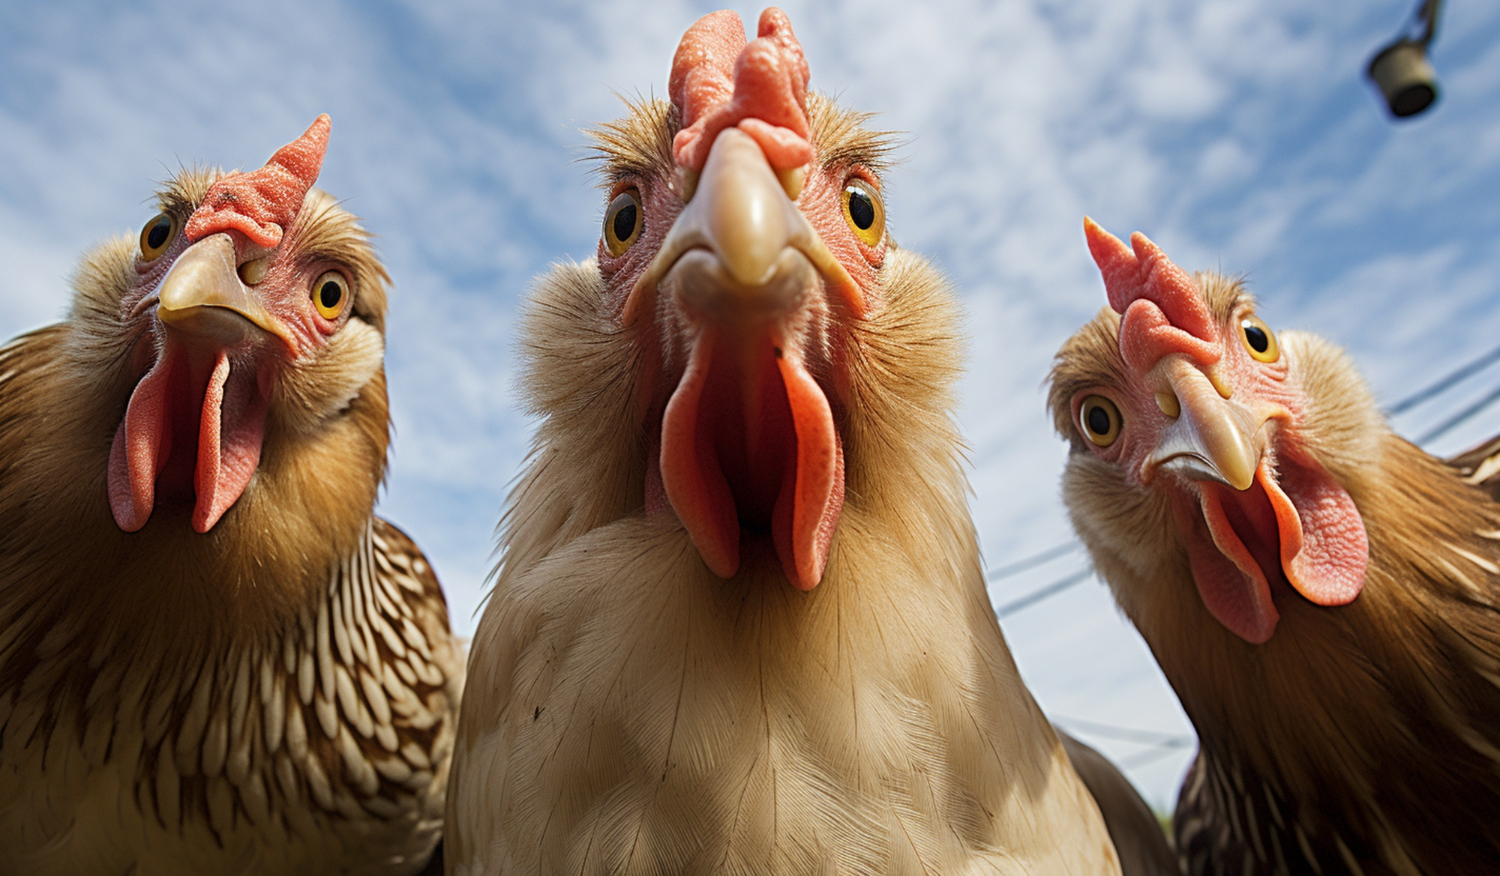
(746,439)
(1217,430)
(193,429)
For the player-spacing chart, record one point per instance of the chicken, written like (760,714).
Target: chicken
(1133,827)
(1321,594)
(740,624)
(213,657)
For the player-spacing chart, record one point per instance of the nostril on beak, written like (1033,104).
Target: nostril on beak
(1169,404)
(684,184)
(253,271)
(1221,386)
(792,180)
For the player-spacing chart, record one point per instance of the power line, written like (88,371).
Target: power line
(1032,561)
(1445,382)
(1159,745)
(1149,756)
(1036,596)
(1443,428)
(1126,734)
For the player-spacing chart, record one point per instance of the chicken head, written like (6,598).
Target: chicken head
(740,264)
(1207,413)
(229,298)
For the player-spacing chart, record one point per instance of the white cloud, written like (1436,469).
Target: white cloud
(1236,133)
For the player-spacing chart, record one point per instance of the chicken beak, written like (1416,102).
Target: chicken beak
(202,296)
(743,230)
(1213,437)
(748,438)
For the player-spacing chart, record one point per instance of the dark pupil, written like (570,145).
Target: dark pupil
(1098,419)
(329,294)
(158,234)
(1257,337)
(624,224)
(861,209)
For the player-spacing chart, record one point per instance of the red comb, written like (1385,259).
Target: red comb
(719,82)
(263,204)
(1163,310)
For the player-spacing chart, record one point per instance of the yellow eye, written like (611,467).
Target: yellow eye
(864,211)
(157,236)
(330,294)
(623,222)
(1099,420)
(1259,339)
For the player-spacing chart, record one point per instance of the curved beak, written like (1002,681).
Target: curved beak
(202,295)
(744,231)
(1213,436)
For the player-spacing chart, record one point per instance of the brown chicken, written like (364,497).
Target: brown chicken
(1321,594)
(213,657)
(741,624)
(1139,840)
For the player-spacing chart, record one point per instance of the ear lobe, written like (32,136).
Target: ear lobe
(325,384)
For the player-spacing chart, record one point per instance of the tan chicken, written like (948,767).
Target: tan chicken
(741,625)
(1321,594)
(213,657)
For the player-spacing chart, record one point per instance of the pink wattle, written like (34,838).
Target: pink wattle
(226,458)
(228,416)
(784,471)
(1232,581)
(1329,565)
(1297,526)
(690,470)
(141,445)
(807,514)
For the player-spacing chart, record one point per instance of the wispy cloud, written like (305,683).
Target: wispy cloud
(1237,133)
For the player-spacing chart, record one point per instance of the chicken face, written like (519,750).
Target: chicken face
(233,302)
(739,265)
(1202,418)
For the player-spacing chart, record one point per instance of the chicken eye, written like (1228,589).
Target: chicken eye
(330,293)
(157,236)
(1099,420)
(864,211)
(1259,339)
(623,222)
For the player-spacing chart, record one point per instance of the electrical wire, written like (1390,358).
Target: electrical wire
(1125,734)
(1040,594)
(1032,561)
(1149,756)
(1461,417)
(1446,382)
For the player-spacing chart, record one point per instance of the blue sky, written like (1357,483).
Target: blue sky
(1239,134)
